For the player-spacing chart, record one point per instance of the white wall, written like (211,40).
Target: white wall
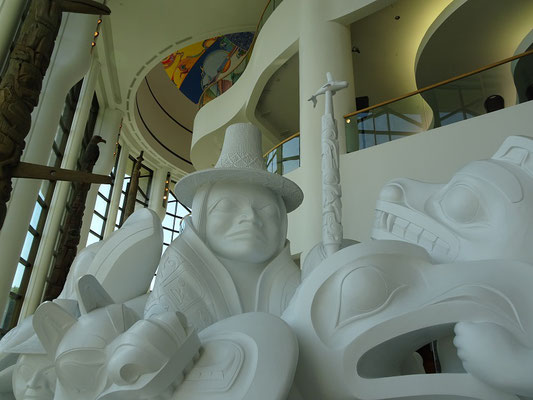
(431,156)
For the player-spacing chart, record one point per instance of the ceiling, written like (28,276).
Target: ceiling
(400,48)
(133,41)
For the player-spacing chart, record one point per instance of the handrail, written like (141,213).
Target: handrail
(281,143)
(201,103)
(455,78)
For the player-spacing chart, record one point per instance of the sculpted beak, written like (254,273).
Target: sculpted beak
(85,7)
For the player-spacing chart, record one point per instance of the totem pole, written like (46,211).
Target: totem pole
(331,188)
(21,85)
(72,226)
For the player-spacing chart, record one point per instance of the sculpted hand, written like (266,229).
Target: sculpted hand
(494,355)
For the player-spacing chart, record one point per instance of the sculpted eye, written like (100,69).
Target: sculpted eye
(460,204)
(269,210)
(224,205)
(25,372)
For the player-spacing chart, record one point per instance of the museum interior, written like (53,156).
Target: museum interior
(432,85)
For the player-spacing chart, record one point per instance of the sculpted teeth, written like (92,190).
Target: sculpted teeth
(410,232)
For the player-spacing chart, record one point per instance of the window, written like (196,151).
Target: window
(40,212)
(101,207)
(61,235)
(173,217)
(143,192)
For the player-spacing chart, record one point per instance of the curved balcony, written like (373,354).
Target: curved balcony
(490,88)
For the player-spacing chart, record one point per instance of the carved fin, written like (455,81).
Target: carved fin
(51,323)
(91,294)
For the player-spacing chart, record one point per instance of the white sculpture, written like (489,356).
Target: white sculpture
(484,212)
(352,327)
(232,256)
(331,189)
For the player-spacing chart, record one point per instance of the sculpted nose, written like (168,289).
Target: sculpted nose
(36,381)
(249,214)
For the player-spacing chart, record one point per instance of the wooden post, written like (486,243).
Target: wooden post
(22,83)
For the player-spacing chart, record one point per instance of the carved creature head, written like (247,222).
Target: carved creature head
(78,347)
(484,212)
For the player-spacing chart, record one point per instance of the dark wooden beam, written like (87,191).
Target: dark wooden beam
(35,171)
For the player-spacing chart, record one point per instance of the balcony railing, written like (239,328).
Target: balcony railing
(456,99)
(285,156)
(219,86)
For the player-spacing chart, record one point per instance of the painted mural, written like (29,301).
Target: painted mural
(197,66)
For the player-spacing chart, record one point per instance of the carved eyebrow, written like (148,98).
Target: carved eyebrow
(496,175)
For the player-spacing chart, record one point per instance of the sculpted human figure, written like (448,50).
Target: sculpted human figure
(233,255)
(231,258)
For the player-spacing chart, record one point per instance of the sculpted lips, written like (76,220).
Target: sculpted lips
(249,232)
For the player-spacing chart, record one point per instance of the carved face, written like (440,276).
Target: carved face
(34,377)
(484,212)
(243,222)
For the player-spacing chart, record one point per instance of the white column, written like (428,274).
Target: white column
(59,199)
(108,129)
(325,46)
(157,192)
(117,190)
(10,13)
(68,64)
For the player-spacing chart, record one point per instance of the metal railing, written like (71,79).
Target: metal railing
(285,156)
(216,88)
(461,97)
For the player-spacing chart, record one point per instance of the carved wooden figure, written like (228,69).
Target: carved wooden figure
(21,86)
(129,208)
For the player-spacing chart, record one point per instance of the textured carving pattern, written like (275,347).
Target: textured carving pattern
(331,188)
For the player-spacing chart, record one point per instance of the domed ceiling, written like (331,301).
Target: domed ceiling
(197,67)
(172,92)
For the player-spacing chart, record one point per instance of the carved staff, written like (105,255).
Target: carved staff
(331,188)
(131,197)
(21,86)
(72,226)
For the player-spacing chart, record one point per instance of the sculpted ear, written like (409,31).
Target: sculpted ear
(91,295)
(51,323)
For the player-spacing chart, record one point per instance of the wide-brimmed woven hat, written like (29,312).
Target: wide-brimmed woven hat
(241,161)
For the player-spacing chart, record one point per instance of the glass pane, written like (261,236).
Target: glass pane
(101,205)
(17,280)
(27,246)
(291,148)
(290,165)
(8,313)
(44,188)
(168,221)
(182,211)
(105,190)
(92,239)
(97,224)
(35,216)
(167,236)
